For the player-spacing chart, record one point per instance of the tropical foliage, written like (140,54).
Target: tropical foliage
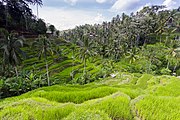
(126,69)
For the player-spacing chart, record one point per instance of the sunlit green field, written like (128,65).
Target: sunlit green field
(126,97)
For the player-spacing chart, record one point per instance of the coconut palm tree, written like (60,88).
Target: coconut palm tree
(132,55)
(43,46)
(10,44)
(85,51)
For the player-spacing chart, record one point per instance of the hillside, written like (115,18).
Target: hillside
(127,96)
(124,69)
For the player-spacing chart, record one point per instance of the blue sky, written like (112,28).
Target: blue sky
(66,14)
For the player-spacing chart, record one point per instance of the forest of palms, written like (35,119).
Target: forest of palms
(125,69)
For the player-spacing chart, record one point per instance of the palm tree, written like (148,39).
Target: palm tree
(43,45)
(132,55)
(11,46)
(73,49)
(85,51)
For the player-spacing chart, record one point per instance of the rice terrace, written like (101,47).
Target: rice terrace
(89,60)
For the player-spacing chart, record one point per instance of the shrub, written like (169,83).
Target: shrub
(165,71)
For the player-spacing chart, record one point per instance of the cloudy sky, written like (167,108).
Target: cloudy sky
(66,14)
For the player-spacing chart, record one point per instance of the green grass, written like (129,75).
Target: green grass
(171,89)
(35,108)
(142,81)
(158,108)
(68,94)
(84,114)
(57,65)
(126,97)
(75,96)
(116,106)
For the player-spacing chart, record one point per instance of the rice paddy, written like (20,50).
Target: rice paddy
(143,97)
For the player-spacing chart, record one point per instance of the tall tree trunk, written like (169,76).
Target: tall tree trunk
(84,69)
(16,71)
(45,55)
(47,73)
(72,73)
(168,65)
(37,11)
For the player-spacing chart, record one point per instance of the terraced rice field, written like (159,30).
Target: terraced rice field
(126,97)
(61,67)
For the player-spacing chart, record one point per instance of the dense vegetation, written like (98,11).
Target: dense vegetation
(123,69)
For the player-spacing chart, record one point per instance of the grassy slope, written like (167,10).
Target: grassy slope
(128,96)
(60,66)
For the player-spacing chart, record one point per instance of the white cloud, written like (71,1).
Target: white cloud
(99,18)
(170,3)
(141,7)
(101,1)
(67,18)
(124,5)
(71,2)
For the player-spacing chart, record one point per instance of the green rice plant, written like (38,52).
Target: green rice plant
(57,68)
(155,80)
(32,100)
(89,68)
(78,95)
(158,108)
(35,108)
(117,106)
(135,78)
(171,89)
(30,61)
(56,88)
(132,93)
(110,81)
(38,65)
(67,72)
(58,112)
(75,96)
(154,98)
(84,114)
(14,113)
(62,69)
(142,82)
(34,60)
(70,87)
(57,65)
(160,80)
